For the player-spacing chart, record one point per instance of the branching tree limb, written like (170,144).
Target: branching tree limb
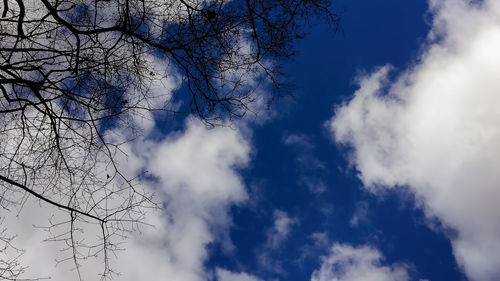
(72,72)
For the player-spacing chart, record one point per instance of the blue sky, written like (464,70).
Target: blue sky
(383,166)
(376,33)
(323,74)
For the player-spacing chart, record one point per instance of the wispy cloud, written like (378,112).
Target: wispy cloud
(277,235)
(308,163)
(320,243)
(305,151)
(348,263)
(280,230)
(360,215)
(225,275)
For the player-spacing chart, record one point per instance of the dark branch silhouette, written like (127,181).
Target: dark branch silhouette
(72,71)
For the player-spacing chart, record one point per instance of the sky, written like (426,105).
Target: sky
(384,166)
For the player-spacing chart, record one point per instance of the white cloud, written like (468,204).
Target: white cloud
(436,129)
(196,175)
(347,263)
(225,275)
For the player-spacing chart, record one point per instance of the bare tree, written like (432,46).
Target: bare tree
(73,70)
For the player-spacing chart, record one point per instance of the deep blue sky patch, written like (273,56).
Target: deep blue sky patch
(374,33)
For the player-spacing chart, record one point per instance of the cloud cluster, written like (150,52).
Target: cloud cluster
(435,128)
(195,174)
(347,263)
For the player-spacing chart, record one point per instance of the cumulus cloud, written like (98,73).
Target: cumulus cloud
(195,174)
(435,128)
(348,263)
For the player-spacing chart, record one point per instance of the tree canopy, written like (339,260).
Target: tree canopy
(73,70)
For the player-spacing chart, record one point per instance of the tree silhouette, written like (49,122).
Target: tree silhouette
(73,70)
